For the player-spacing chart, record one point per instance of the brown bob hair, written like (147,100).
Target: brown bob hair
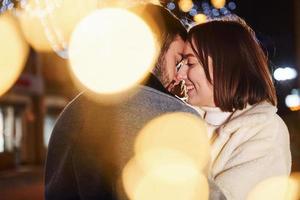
(240,68)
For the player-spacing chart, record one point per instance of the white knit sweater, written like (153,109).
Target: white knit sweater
(248,146)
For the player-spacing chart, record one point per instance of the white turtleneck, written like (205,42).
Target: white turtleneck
(214,117)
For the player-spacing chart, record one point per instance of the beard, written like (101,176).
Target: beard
(160,72)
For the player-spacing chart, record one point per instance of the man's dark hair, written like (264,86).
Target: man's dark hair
(165,25)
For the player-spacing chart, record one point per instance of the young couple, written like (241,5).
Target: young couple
(228,81)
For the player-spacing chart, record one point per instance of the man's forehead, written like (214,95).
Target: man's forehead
(188,52)
(177,45)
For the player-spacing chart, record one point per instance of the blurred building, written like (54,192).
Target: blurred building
(27,115)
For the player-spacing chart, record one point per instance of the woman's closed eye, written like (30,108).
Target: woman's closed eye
(189,64)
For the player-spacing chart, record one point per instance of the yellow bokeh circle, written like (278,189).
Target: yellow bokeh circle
(176,136)
(185,5)
(13,52)
(218,3)
(200,18)
(277,188)
(160,183)
(111,50)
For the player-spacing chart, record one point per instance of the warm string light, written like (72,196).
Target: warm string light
(217,9)
(185,5)
(218,3)
(200,18)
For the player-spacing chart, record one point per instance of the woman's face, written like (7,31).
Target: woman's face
(200,91)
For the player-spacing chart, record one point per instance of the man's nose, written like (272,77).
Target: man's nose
(182,73)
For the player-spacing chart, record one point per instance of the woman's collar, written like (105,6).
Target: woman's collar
(214,115)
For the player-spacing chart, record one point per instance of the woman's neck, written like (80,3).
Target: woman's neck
(214,115)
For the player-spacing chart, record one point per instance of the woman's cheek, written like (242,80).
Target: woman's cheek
(192,75)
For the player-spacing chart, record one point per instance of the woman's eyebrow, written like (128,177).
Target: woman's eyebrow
(188,55)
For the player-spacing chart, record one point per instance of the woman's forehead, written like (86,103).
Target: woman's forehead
(188,51)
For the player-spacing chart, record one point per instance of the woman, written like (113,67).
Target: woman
(227,77)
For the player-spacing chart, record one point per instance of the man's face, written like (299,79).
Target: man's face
(171,58)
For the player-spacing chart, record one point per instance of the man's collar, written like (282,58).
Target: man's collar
(154,83)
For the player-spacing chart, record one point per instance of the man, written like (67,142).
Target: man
(91,143)
(171,35)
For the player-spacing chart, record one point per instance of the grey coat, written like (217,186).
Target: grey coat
(91,143)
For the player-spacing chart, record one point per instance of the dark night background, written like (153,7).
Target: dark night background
(274,24)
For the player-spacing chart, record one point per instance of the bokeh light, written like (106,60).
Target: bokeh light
(185,5)
(131,176)
(166,181)
(231,5)
(218,3)
(171,6)
(294,186)
(292,101)
(170,155)
(224,11)
(215,12)
(47,25)
(168,161)
(200,18)
(277,188)
(205,5)
(112,50)
(179,132)
(286,73)
(193,12)
(13,52)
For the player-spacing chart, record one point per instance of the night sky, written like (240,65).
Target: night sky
(274,25)
(273,22)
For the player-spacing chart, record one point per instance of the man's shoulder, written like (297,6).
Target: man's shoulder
(146,98)
(148,93)
(155,98)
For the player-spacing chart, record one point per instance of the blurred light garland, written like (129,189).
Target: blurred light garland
(43,11)
(201,7)
(44,14)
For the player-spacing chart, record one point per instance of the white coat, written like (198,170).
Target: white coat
(250,146)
